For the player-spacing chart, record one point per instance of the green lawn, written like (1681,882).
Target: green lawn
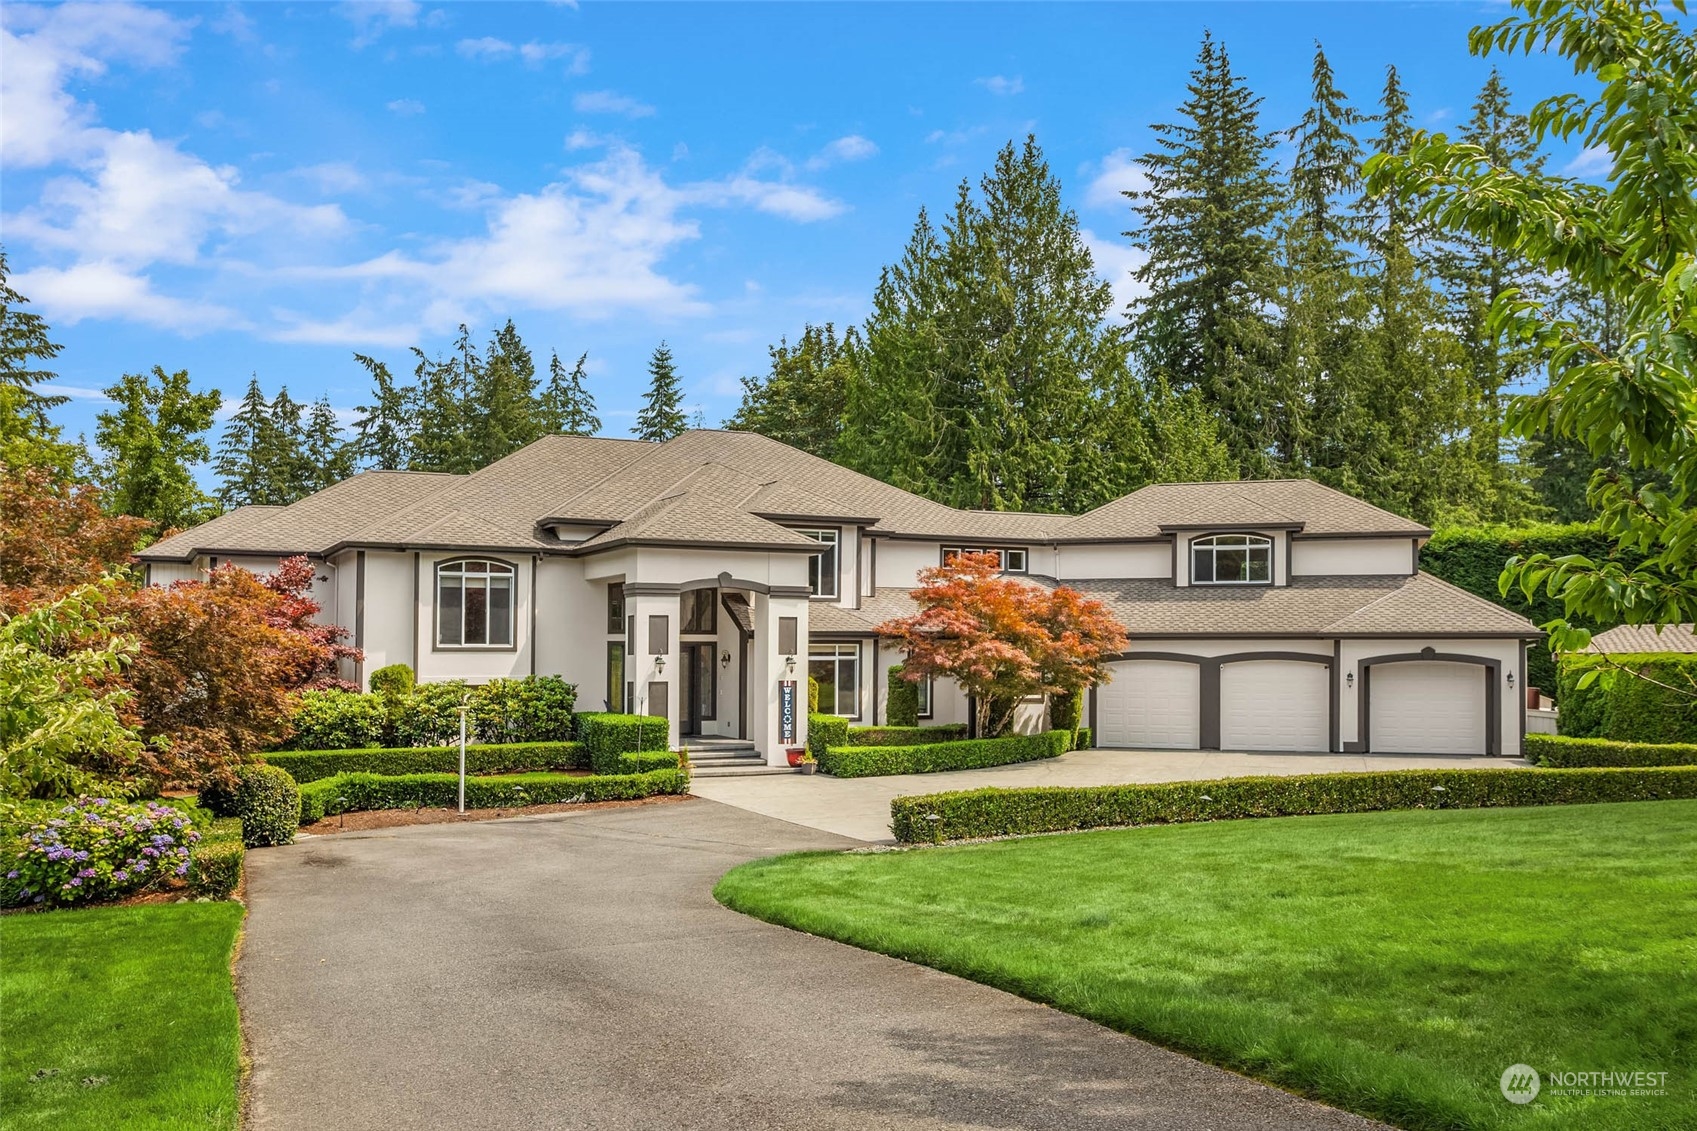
(1390,963)
(119,1017)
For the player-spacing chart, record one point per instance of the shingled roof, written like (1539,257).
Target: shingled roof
(1635,638)
(722,488)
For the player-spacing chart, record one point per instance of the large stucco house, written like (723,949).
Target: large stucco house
(705,578)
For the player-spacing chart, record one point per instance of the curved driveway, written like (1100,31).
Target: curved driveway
(573,971)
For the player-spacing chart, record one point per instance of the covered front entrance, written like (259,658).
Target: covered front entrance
(699,694)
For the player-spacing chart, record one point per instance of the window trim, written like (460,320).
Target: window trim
(436,644)
(836,544)
(1002,551)
(926,694)
(839,650)
(1250,541)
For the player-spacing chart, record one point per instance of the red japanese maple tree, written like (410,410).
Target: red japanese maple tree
(1002,638)
(54,537)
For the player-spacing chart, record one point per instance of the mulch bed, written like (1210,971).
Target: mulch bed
(392,818)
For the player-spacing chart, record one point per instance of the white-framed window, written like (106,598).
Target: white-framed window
(1012,561)
(474,604)
(822,568)
(837,668)
(1231,559)
(923,690)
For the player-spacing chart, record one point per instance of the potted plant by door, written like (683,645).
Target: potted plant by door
(808,765)
(795,754)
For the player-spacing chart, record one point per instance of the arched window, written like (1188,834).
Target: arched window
(474,604)
(1231,559)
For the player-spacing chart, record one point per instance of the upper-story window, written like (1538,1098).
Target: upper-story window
(474,604)
(822,569)
(1231,559)
(1013,561)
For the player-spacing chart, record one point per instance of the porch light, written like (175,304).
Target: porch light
(660,665)
(1511,681)
(789,665)
(1349,679)
(725,658)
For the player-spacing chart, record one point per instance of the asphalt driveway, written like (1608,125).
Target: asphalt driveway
(573,971)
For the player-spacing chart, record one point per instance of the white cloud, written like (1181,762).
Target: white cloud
(106,290)
(581,138)
(793,202)
(1117,174)
(1596,161)
(851,147)
(1115,261)
(610,102)
(406,107)
(235,23)
(372,18)
(487,47)
(1002,84)
(532,54)
(333,178)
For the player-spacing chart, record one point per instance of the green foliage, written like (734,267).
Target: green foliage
(215,863)
(149,441)
(334,720)
(662,415)
(383,431)
(61,730)
(430,716)
(277,451)
(903,735)
(903,705)
(802,399)
(1083,738)
(1066,711)
(536,708)
(394,679)
(94,849)
(348,793)
(1018,812)
(505,413)
(1474,559)
(531,709)
(1631,698)
(1562,752)
(825,730)
(269,804)
(614,742)
(931,758)
(567,406)
(513,758)
(812,694)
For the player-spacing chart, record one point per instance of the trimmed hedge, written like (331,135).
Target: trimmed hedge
(348,793)
(1622,706)
(269,804)
(929,818)
(825,731)
(395,679)
(1083,739)
(531,709)
(509,758)
(616,744)
(905,736)
(901,706)
(1066,711)
(870,761)
(215,862)
(338,720)
(1572,753)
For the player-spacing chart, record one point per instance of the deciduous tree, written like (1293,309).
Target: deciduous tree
(150,442)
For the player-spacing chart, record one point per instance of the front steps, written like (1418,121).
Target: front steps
(724,758)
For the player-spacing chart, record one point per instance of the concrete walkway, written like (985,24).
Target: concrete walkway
(860,807)
(573,971)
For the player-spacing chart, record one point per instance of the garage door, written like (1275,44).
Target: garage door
(1427,707)
(1154,703)
(1275,705)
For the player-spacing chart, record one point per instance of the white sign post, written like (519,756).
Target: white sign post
(464,707)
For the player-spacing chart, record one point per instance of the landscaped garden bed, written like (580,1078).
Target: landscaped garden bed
(346,793)
(930,758)
(364,819)
(1391,963)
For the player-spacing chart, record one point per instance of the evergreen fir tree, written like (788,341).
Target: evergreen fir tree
(505,414)
(1328,159)
(290,472)
(567,406)
(24,345)
(243,477)
(662,416)
(327,452)
(802,399)
(445,413)
(384,429)
(1212,273)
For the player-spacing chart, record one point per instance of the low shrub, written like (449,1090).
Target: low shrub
(904,736)
(825,731)
(337,720)
(537,708)
(976,753)
(1652,698)
(430,715)
(215,864)
(348,793)
(513,758)
(1066,711)
(95,848)
(611,739)
(395,679)
(902,706)
(1571,753)
(269,804)
(1084,739)
(968,814)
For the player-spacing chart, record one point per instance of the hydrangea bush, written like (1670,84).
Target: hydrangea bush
(95,848)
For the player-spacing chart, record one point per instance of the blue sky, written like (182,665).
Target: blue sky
(267,188)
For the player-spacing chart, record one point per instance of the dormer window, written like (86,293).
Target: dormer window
(1231,559)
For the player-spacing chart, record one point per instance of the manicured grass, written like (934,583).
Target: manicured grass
(1390,963)
(120,1017)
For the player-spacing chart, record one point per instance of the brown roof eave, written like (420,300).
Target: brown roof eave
(1422,532)
(1230,527)
(835,519)
(685,544)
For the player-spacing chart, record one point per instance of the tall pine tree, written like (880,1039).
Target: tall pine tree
(384,429)
(1211,276)
(505,415)
(443,441)
(566,404)
(327,452)
(661,416)
(243,473)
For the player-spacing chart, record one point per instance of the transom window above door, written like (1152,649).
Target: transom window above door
(474,604)
(1231,559)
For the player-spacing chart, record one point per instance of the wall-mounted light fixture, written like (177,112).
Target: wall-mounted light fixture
(660,665)
(1511,681)
(725,658)
(789,665)
(1349,679)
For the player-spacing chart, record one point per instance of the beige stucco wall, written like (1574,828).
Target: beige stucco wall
(1342,557)
(1126,559)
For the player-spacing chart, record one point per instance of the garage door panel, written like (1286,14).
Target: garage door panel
(1427,707)
(1275,705)
(1150,703)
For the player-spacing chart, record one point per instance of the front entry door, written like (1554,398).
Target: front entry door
(700,692)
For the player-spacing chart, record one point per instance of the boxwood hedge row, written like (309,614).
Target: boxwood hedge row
(215,862)
(508,758)
(612,741)
(348,793)
(936,817)
(930,758)
(1651,698)
(1570,753)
